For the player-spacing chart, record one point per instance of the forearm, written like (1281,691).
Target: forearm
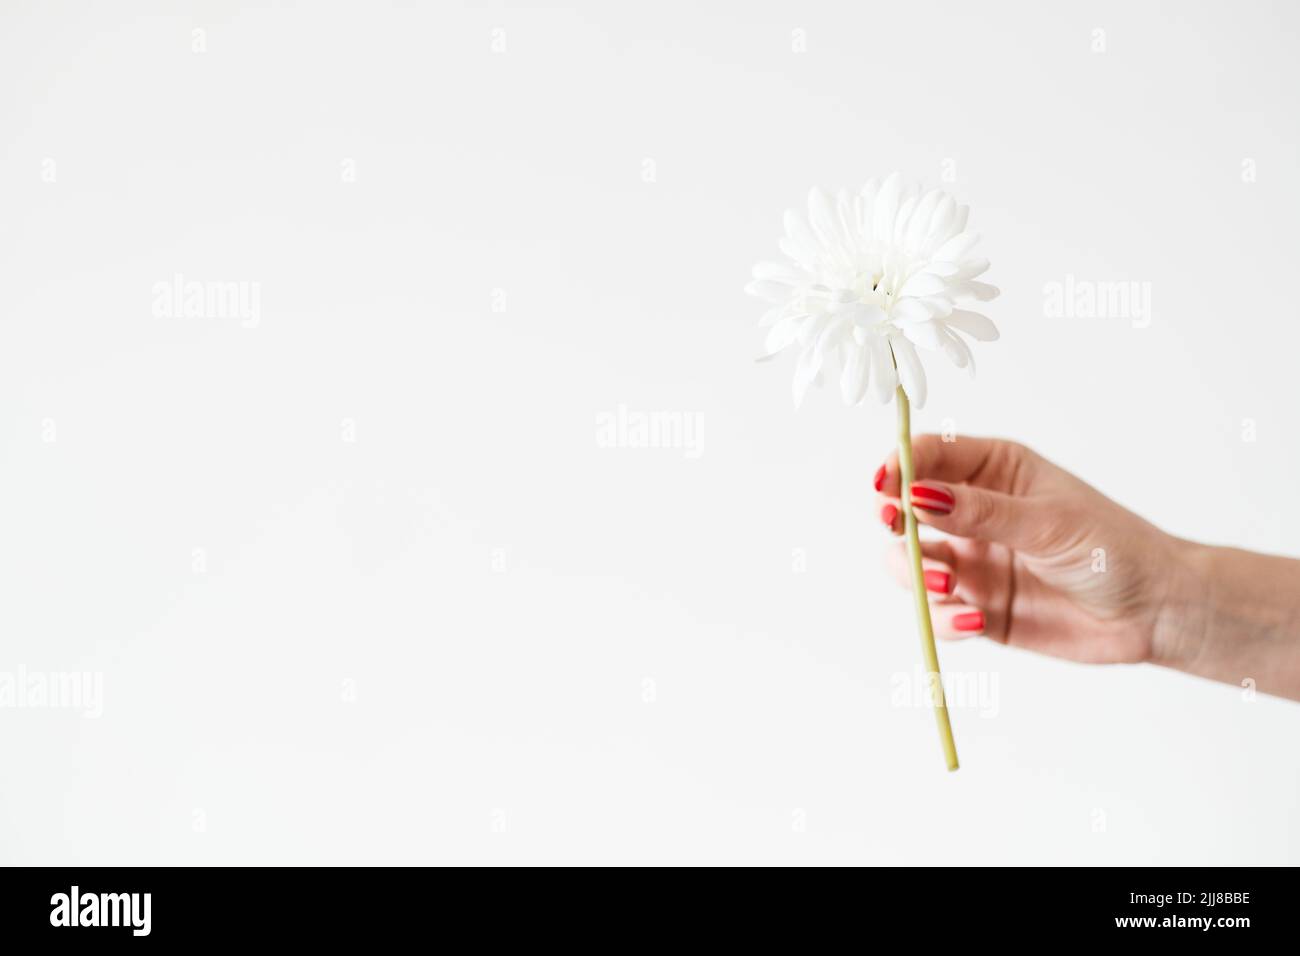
(1232,616)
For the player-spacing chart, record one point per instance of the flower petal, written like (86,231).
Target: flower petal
(922,284)
(824,218)
(959,218)
(980,290)
(781,336)
(940,306)
(944,269)
(940,223)
(865,316)
(957,248)
(918,227)
(955,347)
(856,375)
(977,326)
(928,335)
(909,310)
(911,375)
(910,196)
(884,377)
(836,331)
(805,372)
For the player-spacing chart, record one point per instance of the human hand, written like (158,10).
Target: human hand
(1037,558)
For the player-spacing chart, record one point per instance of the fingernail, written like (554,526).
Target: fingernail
(879,480)
(889,514)
(938,582)
(970,622)
(934,498)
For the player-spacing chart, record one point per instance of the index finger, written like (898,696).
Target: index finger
(992,463)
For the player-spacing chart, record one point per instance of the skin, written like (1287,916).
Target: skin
(1021,551)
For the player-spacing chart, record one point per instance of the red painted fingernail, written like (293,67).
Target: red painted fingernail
(879,480)
(970,621)
(939,582)
(933,498)
(889,514)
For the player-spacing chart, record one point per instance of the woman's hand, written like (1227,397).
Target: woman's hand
(1041,560)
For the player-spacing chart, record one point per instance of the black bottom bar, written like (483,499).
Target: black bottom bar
(949,908)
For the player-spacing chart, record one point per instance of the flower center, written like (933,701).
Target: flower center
(871,288)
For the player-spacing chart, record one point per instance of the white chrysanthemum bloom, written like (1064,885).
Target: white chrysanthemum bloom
(874,275)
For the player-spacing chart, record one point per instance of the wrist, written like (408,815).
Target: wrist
(1186,588)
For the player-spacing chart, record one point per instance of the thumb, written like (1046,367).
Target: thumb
(972,512)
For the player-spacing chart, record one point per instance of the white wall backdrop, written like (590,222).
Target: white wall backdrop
(355,574)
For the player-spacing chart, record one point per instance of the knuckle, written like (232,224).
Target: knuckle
(983,510)
(1066,529)
(1015,462)
(927,452)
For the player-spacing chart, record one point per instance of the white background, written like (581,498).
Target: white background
(473,634)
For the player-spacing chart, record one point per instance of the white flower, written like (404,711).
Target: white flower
(873,276)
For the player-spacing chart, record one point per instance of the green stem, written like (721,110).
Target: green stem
(918,583)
